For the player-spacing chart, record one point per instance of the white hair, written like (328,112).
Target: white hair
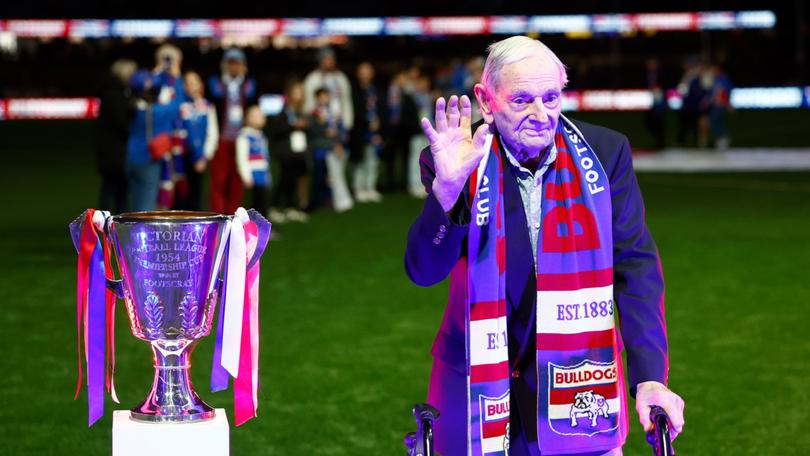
(515,49)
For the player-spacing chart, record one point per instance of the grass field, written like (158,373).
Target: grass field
(346,337)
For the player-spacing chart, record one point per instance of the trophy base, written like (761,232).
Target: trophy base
(135,438)
(201,412)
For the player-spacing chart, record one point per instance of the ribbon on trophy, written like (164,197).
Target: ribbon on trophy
(95,304)
(236,353)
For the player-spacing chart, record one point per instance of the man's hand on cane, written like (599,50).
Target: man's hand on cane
(456,151)
(654,393)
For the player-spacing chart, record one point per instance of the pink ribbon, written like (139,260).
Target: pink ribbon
(237,347)
(92,314)
(246,384)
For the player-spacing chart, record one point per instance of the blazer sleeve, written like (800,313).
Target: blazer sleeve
(435,240)
(638,280)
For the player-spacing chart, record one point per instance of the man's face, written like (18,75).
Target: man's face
(234,67)
(524,105)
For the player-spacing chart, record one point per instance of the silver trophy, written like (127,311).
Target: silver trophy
(169,264)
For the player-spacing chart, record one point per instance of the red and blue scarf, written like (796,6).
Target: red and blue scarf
(581,403)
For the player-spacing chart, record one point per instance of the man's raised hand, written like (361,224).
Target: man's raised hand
(456,151)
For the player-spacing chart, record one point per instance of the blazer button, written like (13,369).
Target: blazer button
(515,373)
(442,228)
(436,241)
(440,235)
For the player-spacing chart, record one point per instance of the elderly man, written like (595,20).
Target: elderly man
(539,222)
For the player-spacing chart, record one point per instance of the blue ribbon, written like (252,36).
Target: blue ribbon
(219,376)
(96,336)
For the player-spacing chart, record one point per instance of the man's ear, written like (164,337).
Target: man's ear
(485,102)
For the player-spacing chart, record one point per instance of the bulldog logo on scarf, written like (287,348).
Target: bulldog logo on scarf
(583,399)
(494,423)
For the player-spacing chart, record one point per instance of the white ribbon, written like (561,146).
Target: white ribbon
(99,219)
(235,293)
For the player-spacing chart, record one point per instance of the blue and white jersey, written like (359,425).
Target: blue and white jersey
(232,95)
(253,157)
(199,118)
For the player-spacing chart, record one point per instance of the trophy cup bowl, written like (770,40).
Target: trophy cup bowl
(169,264)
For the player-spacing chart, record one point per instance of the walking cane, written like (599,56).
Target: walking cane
(420,443)
(659,437)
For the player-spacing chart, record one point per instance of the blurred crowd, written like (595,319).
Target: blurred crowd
(164,131)
(705,90)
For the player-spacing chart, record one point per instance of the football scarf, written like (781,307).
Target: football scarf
(581,403)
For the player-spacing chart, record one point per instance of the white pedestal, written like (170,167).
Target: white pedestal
(205,438)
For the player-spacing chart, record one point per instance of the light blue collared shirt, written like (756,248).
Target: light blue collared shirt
(531,192)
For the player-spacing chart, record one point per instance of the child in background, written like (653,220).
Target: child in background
(253,158)
(288,135)
(329,155)
(201,131)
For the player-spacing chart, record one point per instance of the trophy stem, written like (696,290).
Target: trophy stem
(172,398)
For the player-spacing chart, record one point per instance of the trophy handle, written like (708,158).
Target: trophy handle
(76,227)
(264,234)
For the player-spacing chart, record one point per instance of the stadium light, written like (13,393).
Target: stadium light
(582,25)
(573,100)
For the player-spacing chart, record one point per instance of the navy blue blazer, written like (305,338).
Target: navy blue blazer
(437,240)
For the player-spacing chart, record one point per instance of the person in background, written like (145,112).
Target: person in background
(329,77)
(151,121)
(691,93)
(200,138)
(403,124)
(166,75)
(364,140)
(393,144)
(288,133)
(655,117)
(167,82)
(329,157)
(112,131)
(720,107)
(706,84)
(253,158)
(232,92)
(423,100)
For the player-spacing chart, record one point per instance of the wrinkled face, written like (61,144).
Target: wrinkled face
(194,85)
(524,104)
